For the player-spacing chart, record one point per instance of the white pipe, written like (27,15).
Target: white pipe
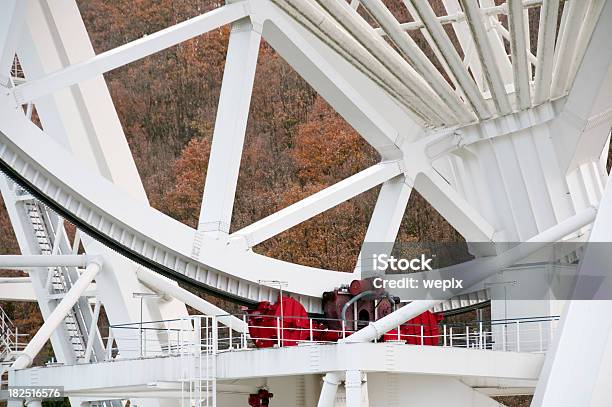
(57,316)
(15,280)
(487,266)
(166,286)
(330,386)
(27,261)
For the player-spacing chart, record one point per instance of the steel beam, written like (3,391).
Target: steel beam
(230,127)
(317,203)
(461,215)
(11,23)
(417,58)
(546,48)
(443,42)
(518,47)
(387,216)
(487,57)
(57,316)
(569,36)
(130,52)
(430,103)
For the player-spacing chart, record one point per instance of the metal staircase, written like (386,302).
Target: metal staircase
(60,279)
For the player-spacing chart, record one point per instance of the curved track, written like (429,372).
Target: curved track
(141,233)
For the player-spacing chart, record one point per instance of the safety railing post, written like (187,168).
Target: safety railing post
(541,336)
(278,332)
(480,334)
(215,335)
(467,337)
(422,335)
(197,334)
(518,337)
(451,336)
(231,335)
(310,334)
(343,329)
(244,334)
(444,329)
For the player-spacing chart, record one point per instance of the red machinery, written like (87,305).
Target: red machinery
(356,305)
(260,399)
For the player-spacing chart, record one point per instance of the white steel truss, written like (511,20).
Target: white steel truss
(506,144)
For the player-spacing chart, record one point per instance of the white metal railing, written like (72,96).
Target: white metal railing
(193,339)
(202,334)
(11,341)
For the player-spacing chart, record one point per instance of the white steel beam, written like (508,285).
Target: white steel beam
(443,42)
(360,100)
(421,63)
(568,39)
(518,47)
(317,203)
(11,22)
(487,57)
(546,49)
(388,214)
(57,316)
(316,20)
(432,106)
(93,331)
(230,127)
(459,213)
(130,52)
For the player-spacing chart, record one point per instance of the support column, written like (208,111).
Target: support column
(330,387)
(230,127)
(352,385)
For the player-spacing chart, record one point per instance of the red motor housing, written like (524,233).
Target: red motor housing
(412,333)
(265,323)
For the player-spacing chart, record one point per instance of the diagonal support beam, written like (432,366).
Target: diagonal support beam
(387,217)
(443,42)
(487,57)
(518,46)
(317,203)
(429,103)
(230,127)
(130,52)
(459,213)
(568,39)
(546,50)
(11,22)
(57,316)
(417,58)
